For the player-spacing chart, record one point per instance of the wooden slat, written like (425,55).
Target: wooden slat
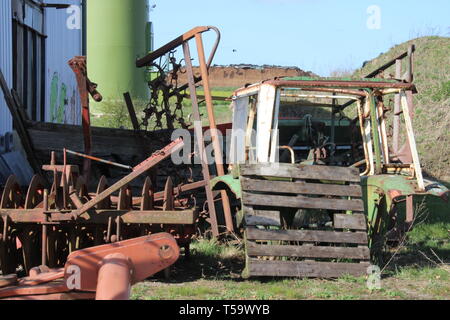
(284,170)
(300,188)
(306,269)
(350,221)
(47,137)
(251,211)
(302,202)
(307,236)
(361,253)
(263,218)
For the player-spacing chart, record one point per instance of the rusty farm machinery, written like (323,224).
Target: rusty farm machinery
(313,192)
(320,179)
(63,211)
(43,226)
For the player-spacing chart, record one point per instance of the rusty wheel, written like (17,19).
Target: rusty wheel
(11,198)
(30,234)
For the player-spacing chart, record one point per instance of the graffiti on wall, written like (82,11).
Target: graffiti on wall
(62,102)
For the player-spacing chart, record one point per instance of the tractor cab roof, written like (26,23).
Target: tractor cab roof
(337,85)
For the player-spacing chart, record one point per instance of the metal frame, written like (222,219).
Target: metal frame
(183,41)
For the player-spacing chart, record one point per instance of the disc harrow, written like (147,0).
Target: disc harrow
(44,224)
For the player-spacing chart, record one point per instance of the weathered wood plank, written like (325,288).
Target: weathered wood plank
(263,218)
(250,210)
(264,120)
(284,170)
(302,202)
(307,236)
(361,253)
(305,269)
(300,188)
(350,221)
(47,137)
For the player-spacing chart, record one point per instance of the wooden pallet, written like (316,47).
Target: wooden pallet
(327,252)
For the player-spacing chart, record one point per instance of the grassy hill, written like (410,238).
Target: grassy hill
(432,120)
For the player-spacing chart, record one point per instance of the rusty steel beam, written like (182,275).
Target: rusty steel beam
(200,141)
(181,189)
(356,84)
(78,66)
(178,217)
(409,53)
(176,191)
(398,62)
(212,124)
(148,60)
(137,171)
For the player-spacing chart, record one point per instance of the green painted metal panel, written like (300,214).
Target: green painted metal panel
(227,181)
(116,37)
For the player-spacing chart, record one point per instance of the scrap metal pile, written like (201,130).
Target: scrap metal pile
(103,273)
(42,227)
(58,226)
(45,226)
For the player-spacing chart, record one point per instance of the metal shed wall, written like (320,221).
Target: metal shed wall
(5,61)
(64,31)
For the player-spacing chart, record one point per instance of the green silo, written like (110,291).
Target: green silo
(117,34)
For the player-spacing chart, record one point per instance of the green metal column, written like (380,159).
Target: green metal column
(116,37)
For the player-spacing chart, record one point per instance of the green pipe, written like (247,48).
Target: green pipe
(116,37)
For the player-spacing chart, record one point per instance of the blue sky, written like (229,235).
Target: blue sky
(314,35)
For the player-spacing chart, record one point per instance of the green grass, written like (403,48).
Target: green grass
(420,270)
(114,114)
(213,273)
(407,284)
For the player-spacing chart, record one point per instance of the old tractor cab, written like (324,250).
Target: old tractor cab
(318,174)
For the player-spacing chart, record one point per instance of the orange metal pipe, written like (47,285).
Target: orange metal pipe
(114,278)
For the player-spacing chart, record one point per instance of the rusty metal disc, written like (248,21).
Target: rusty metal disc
(102,186)
(9,246)
(35,193)
(147,195)
(12,196)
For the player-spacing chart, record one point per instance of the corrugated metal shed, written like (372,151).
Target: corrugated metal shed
(5,61)
(63,28)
